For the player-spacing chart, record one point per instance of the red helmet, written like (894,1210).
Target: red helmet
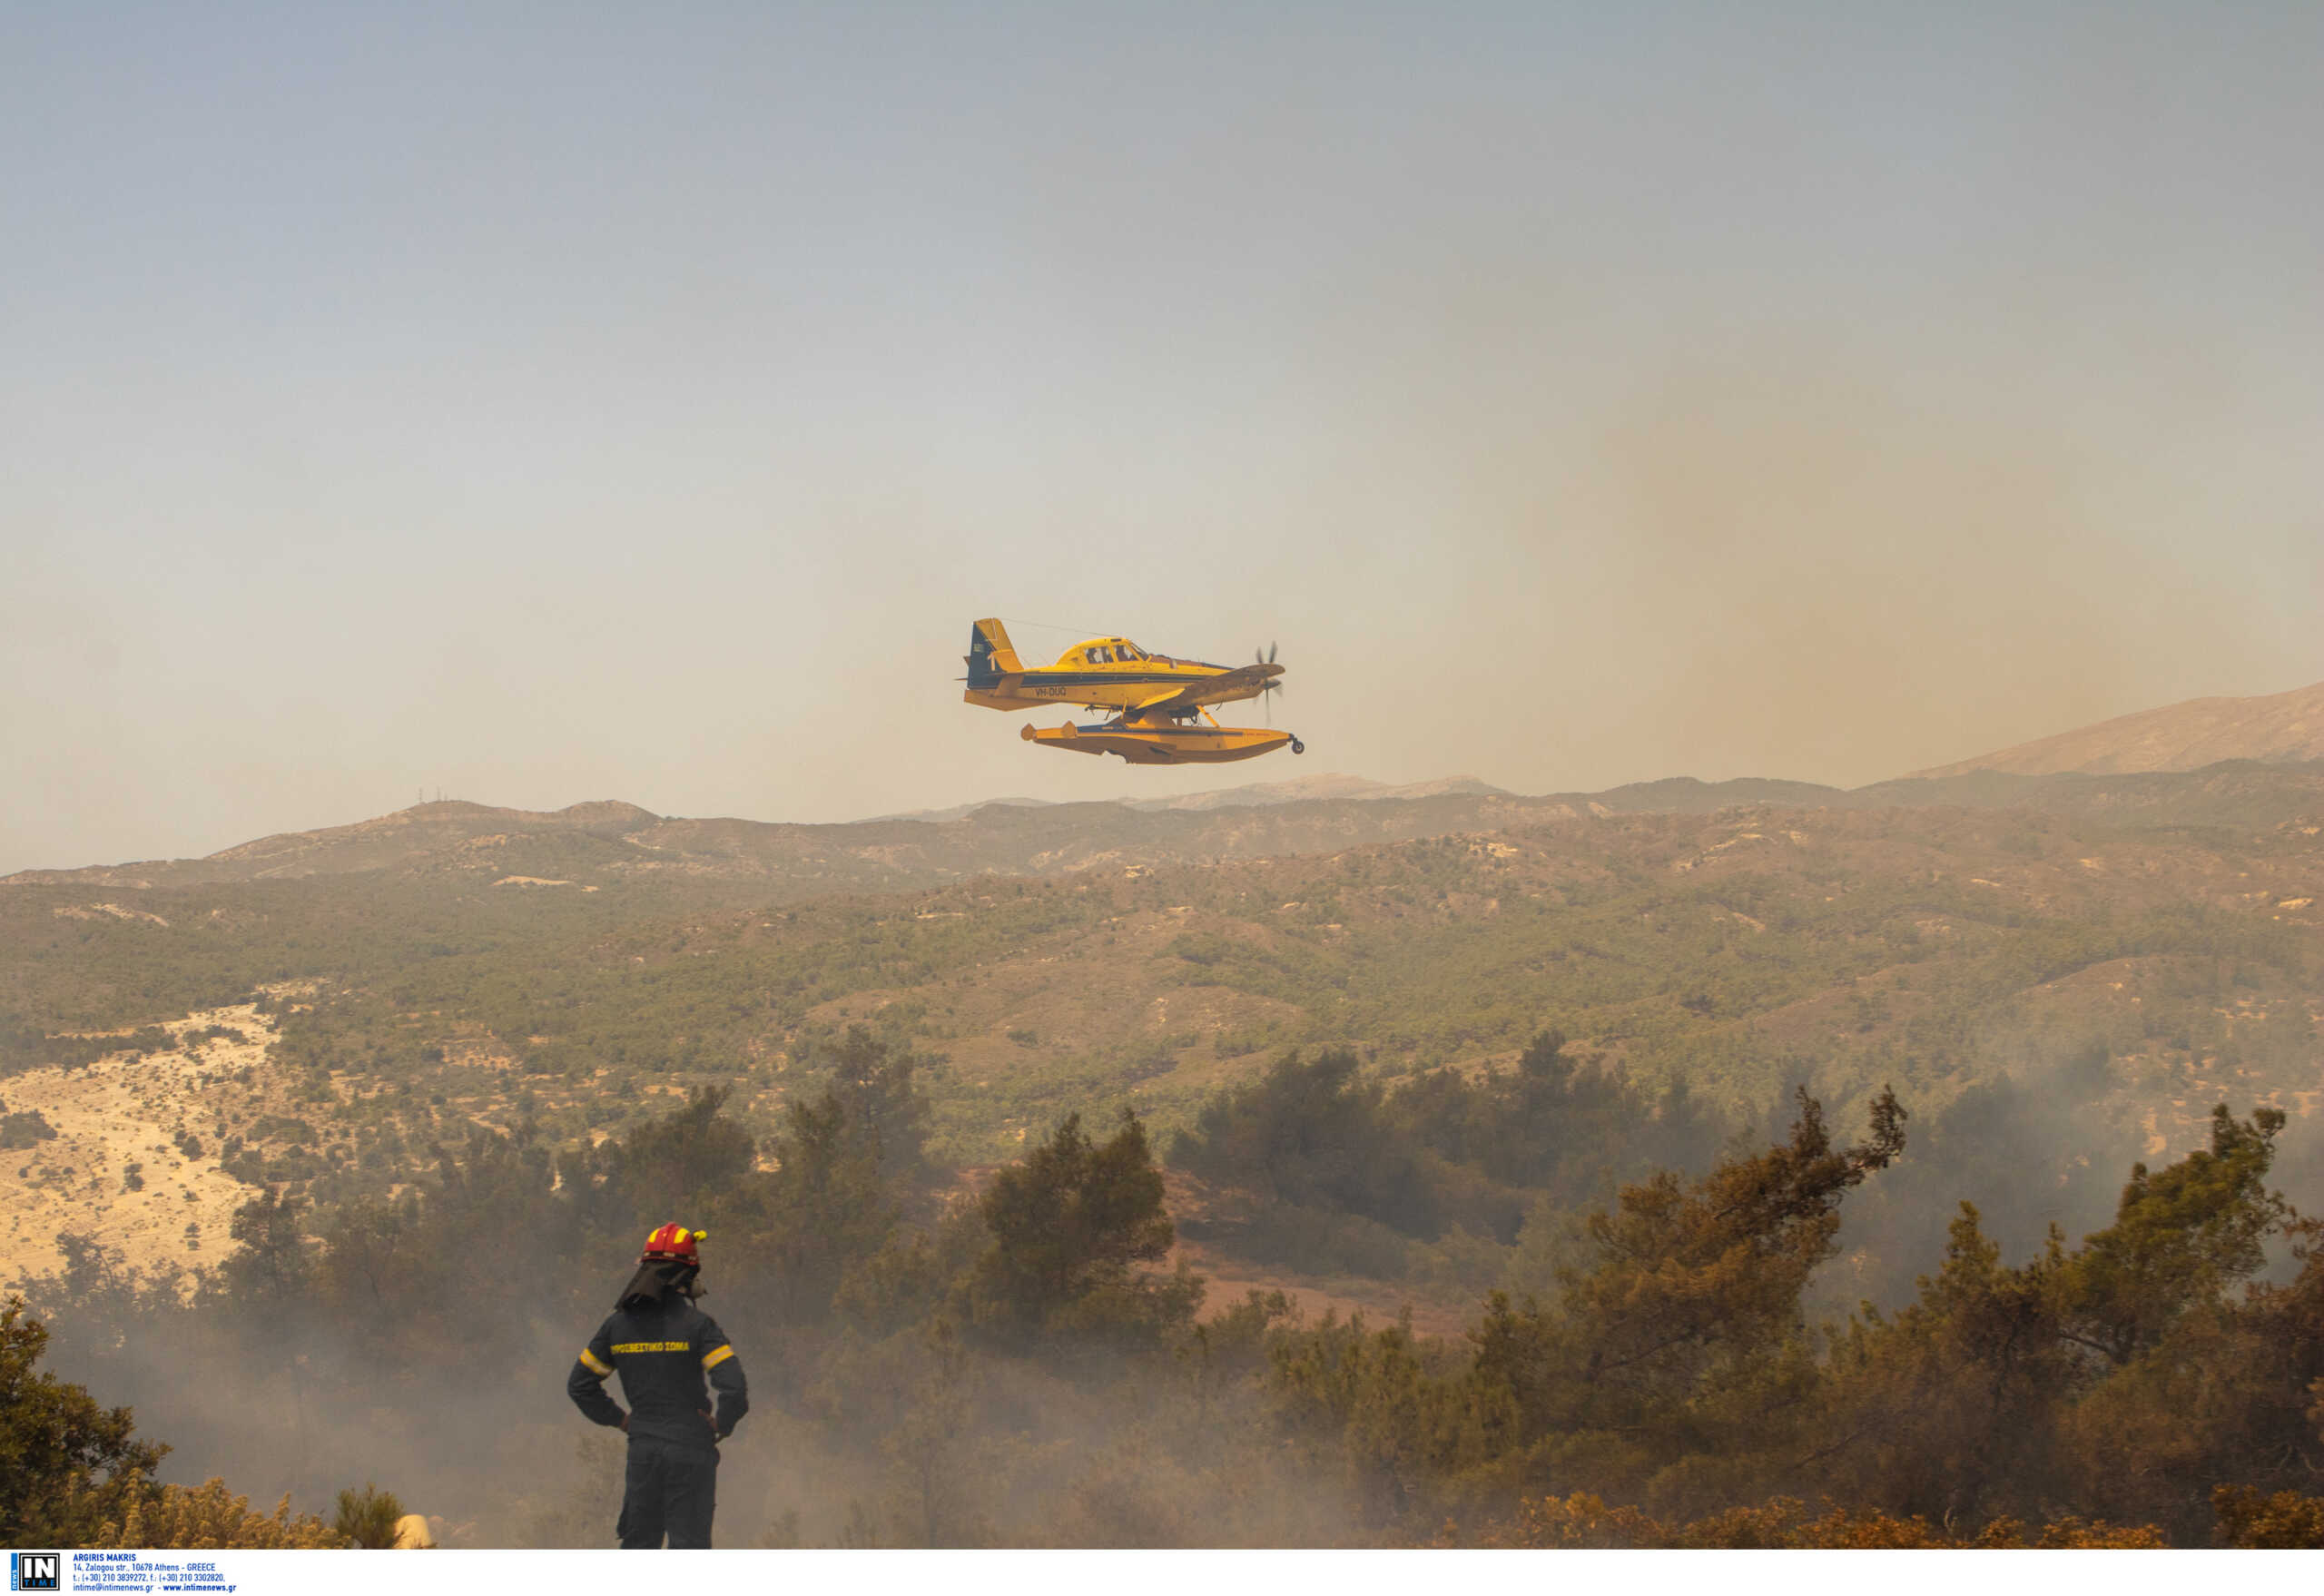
(671,1243)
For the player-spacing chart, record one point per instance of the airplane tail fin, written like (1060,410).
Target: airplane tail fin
(991,656)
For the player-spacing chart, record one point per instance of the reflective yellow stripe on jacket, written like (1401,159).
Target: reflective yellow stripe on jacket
(589,1361)
(716,1356)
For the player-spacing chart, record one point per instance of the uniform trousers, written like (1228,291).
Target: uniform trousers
(668,1489)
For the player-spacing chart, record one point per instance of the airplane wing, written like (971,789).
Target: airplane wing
(1243,682)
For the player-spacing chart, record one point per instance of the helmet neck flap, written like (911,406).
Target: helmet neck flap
(658,1280)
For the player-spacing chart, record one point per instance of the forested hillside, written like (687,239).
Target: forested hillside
(1493,1069)
(1739,952)
(1013,1368)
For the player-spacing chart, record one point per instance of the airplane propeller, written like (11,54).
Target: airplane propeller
(1272,686)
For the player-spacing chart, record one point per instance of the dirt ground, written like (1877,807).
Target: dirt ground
(120,1111)
(1229,1280)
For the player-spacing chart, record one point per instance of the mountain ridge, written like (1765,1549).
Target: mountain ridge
(2273,728)
(603,842)
(1328,785)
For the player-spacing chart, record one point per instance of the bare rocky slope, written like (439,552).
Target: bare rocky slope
(2281,727)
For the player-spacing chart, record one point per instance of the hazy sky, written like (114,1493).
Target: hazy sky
(550,403)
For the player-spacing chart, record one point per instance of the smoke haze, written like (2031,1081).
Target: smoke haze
(643,408)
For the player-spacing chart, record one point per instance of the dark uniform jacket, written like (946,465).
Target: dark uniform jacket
(664,1351)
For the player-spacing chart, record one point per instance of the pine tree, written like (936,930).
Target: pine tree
(66,1464)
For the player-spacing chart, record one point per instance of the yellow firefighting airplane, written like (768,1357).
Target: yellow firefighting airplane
(1159,702)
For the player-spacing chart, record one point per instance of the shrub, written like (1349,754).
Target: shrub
(368,1517)
(210,1516)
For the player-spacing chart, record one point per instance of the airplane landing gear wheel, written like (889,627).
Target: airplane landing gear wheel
(1297,746)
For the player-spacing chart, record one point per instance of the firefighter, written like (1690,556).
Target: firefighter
(665,1347)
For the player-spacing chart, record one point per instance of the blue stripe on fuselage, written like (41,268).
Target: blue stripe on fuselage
(1108,678)
(1119,678)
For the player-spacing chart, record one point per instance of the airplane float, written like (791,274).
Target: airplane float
(1160,705)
